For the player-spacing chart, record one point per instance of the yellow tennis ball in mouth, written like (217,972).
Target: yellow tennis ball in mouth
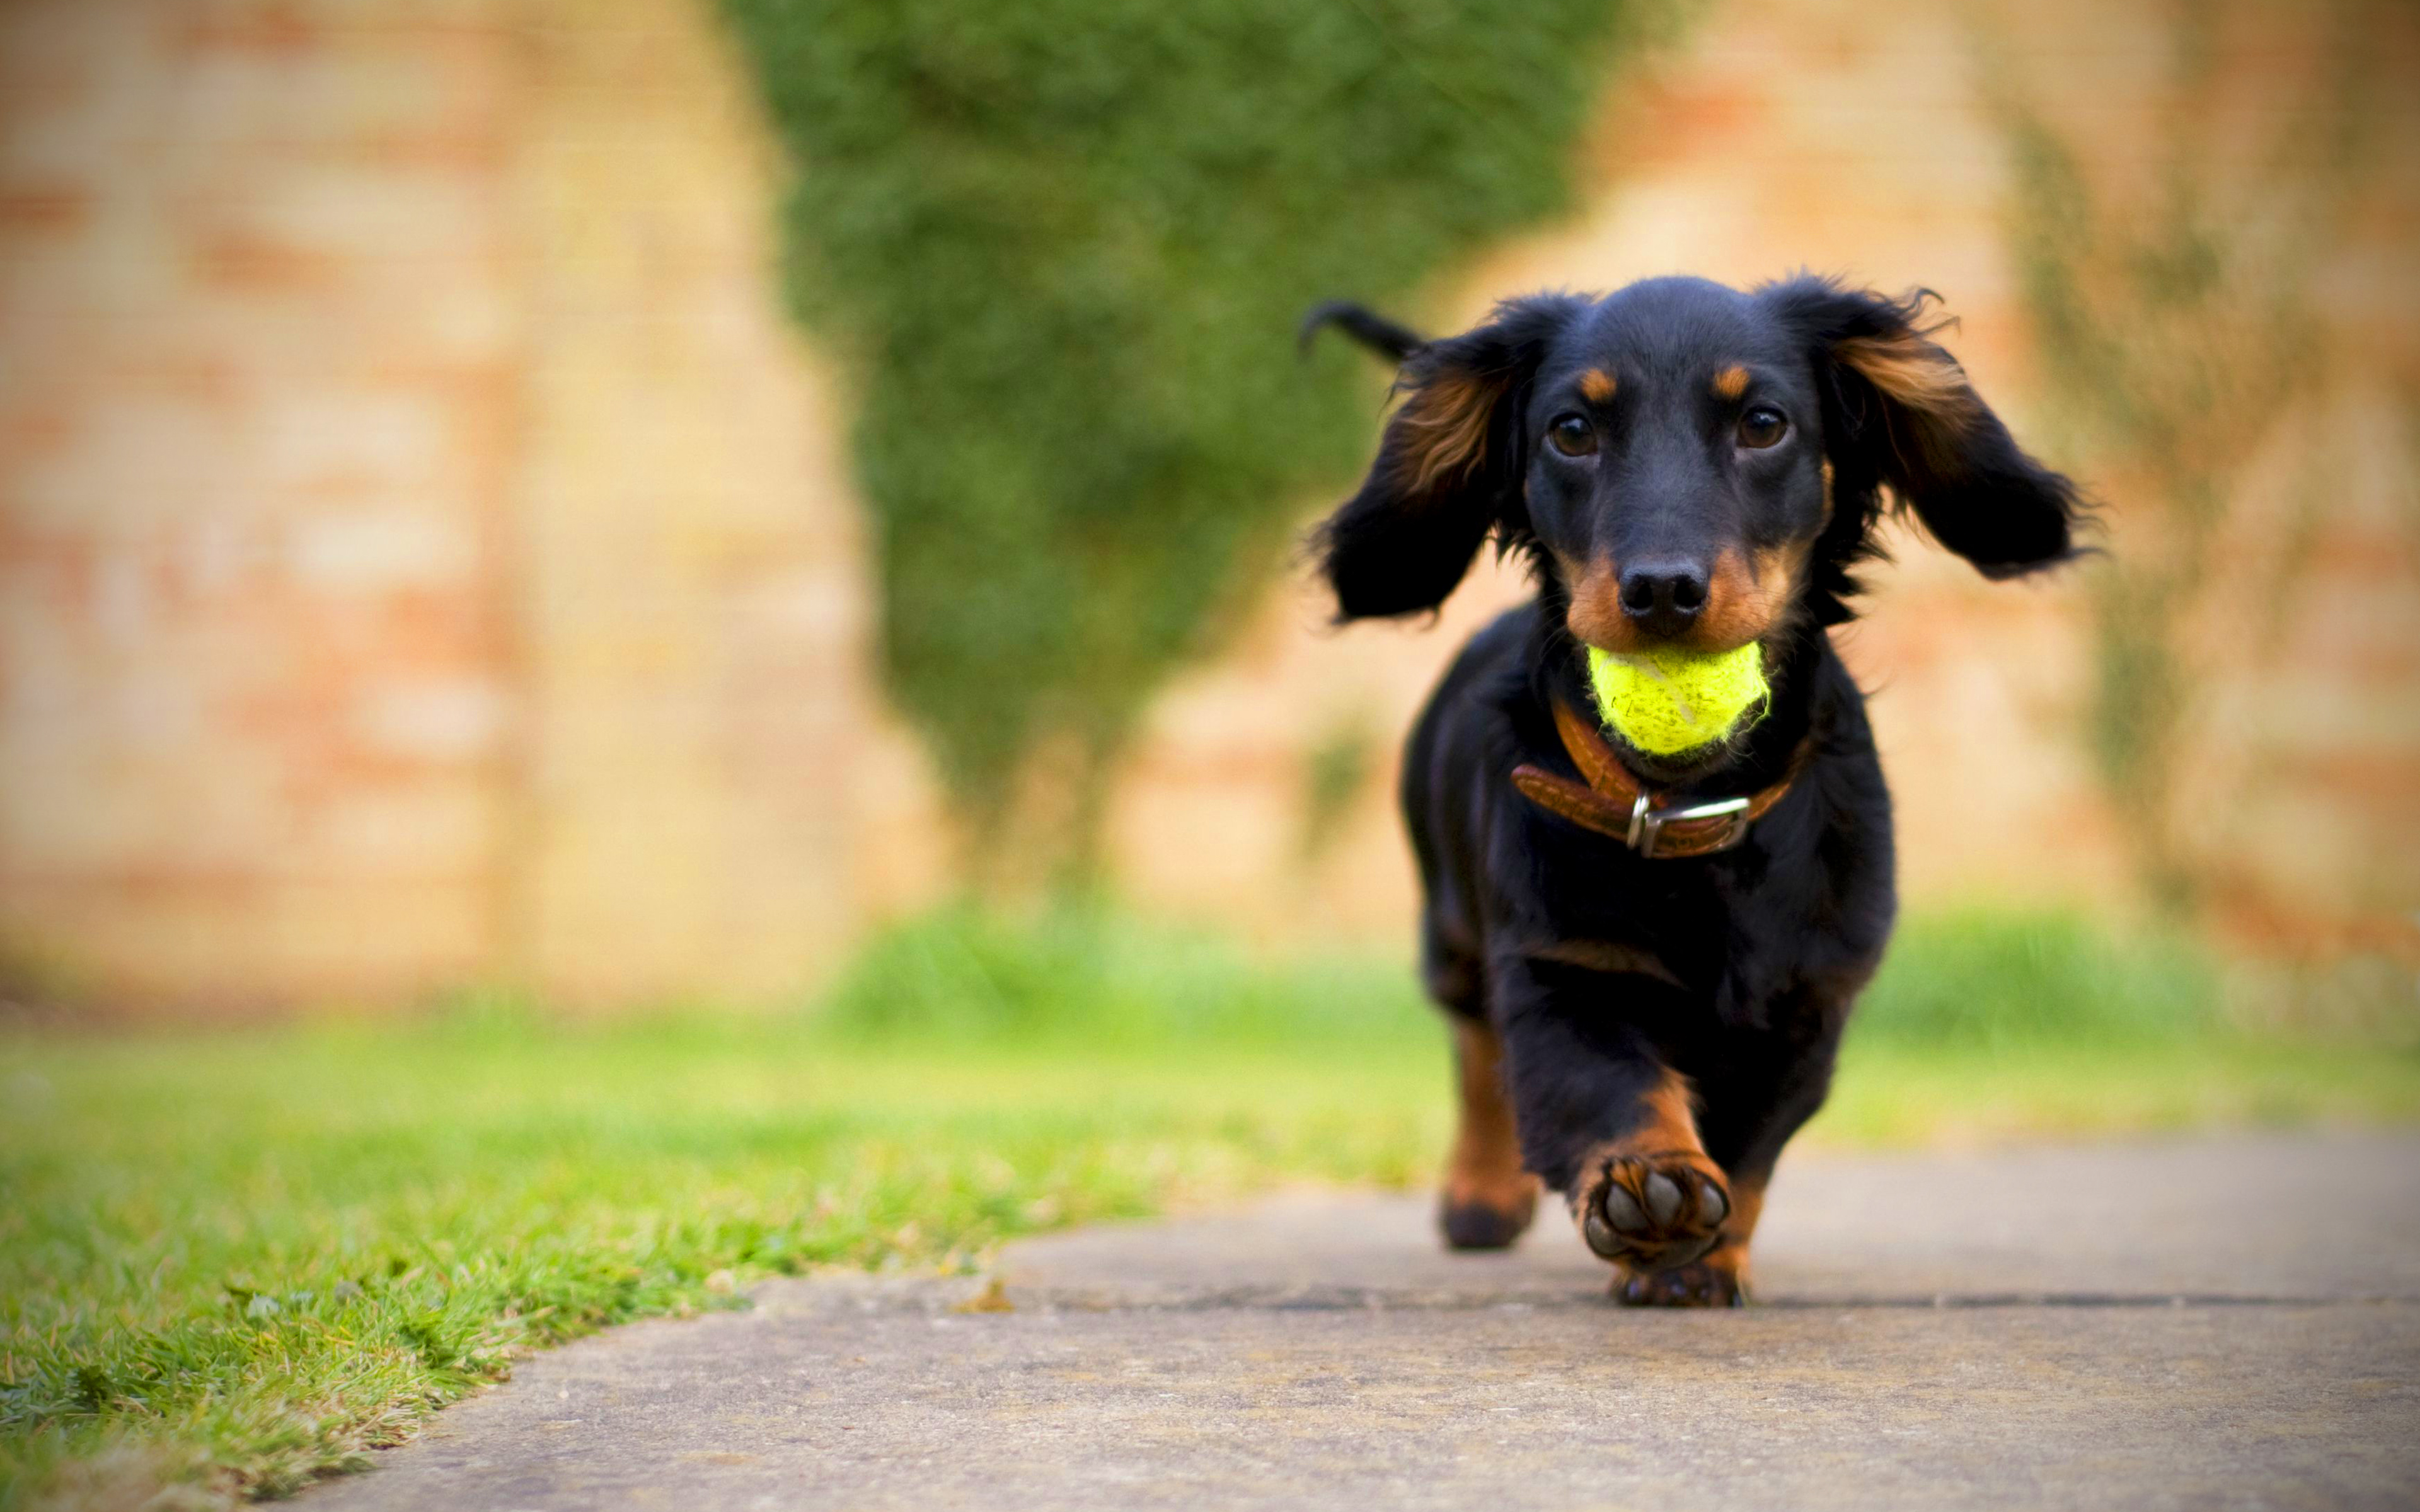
(1669,701)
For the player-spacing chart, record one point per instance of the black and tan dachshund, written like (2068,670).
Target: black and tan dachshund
(1648,962)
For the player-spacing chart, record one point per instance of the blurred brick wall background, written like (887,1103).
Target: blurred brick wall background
(427,555)
(1848,136)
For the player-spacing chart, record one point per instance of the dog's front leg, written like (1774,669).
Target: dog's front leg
(1606,1123)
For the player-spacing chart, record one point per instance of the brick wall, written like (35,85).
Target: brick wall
(705,774)
(258,377)
(427,555)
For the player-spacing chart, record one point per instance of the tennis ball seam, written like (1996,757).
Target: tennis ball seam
(1665,703)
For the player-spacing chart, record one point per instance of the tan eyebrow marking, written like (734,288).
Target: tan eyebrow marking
(1597,384)
(1731,381)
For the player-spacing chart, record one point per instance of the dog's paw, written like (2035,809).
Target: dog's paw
(1489,1222)
(1654,1212)
(1704,1283)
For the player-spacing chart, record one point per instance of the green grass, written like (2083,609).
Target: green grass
(230,1261)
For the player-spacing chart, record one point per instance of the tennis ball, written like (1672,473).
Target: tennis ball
(1668,702)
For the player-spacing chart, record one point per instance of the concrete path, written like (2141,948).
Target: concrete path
(2230,1324)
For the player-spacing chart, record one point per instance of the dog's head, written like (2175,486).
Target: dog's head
(1691,465)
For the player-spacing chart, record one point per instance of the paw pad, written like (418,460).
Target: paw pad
(1654,1212)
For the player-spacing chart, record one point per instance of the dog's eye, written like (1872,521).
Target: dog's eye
(1762,426)
(1572,435)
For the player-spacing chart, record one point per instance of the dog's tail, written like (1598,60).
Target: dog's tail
(1375,331)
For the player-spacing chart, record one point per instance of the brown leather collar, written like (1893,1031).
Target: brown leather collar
(1615,803)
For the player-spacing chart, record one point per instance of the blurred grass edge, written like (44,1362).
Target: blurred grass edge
(232,1260)
(1977,978)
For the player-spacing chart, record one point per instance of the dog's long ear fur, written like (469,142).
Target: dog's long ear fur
(1449,467)
(1898,410)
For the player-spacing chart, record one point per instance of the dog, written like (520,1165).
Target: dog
(1647,961)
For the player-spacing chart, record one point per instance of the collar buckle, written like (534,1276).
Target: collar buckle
(1647,824)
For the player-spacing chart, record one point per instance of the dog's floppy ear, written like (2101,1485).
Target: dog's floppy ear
(1449,467)
(1898,410)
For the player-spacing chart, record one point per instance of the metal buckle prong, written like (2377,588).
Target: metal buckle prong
(1638,826)
(1647,824)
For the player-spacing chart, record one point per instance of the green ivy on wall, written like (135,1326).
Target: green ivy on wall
(1061,247)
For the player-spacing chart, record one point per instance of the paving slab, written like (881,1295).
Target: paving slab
(2226,1323)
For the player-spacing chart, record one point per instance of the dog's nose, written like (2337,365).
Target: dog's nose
(1663,597)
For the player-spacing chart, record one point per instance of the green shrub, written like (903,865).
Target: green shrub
(1975,979)
(1062,246)
(962,974)
(1988,978)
